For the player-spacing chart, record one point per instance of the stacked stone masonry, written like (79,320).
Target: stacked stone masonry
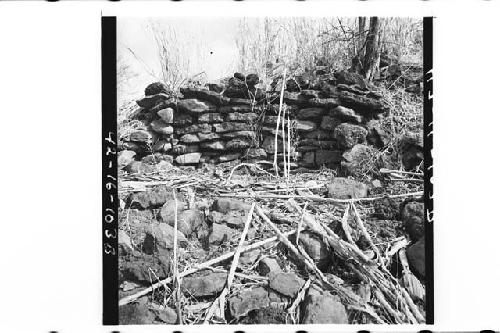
(331,118)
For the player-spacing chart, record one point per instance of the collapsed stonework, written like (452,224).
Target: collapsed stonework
(330,120)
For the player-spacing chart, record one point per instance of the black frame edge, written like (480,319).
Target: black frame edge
(428,170)
(110,201)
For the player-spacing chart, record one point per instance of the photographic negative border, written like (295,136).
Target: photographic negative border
(428,186)
(110,199)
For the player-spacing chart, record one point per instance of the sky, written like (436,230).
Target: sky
(210,44)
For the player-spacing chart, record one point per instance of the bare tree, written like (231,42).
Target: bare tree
(371,57)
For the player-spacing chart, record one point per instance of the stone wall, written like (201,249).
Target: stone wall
(333,118)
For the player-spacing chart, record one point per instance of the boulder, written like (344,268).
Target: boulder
(315,248)
(251,80)
(164,166)
(346,114)
(210,117)
(229,157)
(185,149)
(236,108)
(411,149)
(232,127)
(195,128)
(241,303)
(189,220)
(213,145)
(202,286)
(155,88)
(162,146)
(250,257)
(141,136)
(268,145)
(157,158)
(189,138)
(329,123)
(125,157)
(136,267)
(323,308)
(136,314)
(195,106)
(134,216)
(160,236)
(166,315)
(308,93)
(310,113)
(137,147)
(291,98)
(191,158)
(413,218)
(150,101)
(183,119)
(288,284)
(215,86)
(234,219)
(376,135)
(416,257)
(367,106)
(348,135)
(225,205)
(345,188)
(241,101)
(220,234)
(137,167)
(355,158)
(326,103)
(167,115)
(208,136)
(271,120)
(350,78)
(161,127)
(256,153)
(240,134)
(244,117)
(238,143)
(268,265)
(167,211)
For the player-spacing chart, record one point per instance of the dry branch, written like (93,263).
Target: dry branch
(275,161)
(320,199)
(177,287)
(220,303)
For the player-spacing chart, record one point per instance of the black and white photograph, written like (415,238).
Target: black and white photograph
(247,166)
(271,171)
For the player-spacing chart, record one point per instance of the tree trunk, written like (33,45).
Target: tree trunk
(361,36)
(371,58)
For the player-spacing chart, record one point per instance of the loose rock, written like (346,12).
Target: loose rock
(344,188)
(288,284)
(202,286)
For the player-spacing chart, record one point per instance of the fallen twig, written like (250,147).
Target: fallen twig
(321,199)
(275,161)
(385,171)
(177,287)
(220,302)
(298,299)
